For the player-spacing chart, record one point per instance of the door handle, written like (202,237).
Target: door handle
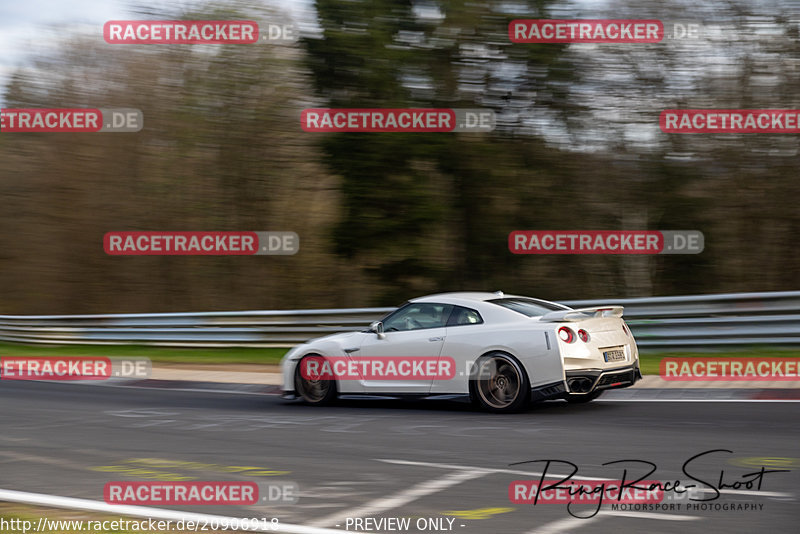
(439,338)
(348,351)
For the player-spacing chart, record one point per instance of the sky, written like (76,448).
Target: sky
(22,22)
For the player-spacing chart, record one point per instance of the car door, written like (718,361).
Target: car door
(416,329)
(467,334)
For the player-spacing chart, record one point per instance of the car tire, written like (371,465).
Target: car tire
(573,398)
(313,392)
(499,384)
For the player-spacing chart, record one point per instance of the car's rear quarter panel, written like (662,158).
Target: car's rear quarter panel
(525,340)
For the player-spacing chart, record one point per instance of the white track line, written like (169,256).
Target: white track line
(697,400)
(455,467)
(192,390)
(649,515)
(754,493)
(563,526)
(486,469)
(72,503)
(403,497)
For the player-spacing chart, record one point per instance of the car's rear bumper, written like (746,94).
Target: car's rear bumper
(585,381)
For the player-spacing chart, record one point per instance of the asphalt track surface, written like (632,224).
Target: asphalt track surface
(390,459)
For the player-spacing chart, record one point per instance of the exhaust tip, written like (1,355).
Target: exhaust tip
(580,385)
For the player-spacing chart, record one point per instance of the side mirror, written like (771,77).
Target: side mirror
(377,327)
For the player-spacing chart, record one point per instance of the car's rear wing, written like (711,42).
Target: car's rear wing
(582,313)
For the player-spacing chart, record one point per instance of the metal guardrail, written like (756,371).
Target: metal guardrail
(665,323)
(194,329)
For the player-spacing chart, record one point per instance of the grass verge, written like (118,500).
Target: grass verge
(156,354)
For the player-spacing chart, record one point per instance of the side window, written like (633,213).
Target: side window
(464,316)
(416,316)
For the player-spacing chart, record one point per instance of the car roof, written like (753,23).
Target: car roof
(465,297)
(478,296)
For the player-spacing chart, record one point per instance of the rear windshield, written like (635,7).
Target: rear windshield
(529,307)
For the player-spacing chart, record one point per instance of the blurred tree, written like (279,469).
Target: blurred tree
(384,217)
(577,146)
(220,150)
(429,211)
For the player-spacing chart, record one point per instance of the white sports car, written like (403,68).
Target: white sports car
(500,350)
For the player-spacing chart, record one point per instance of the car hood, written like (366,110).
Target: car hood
(326,344)
(340,337)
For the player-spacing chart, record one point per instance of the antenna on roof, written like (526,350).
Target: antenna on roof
(499,294)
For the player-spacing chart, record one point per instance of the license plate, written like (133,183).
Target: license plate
(614,355)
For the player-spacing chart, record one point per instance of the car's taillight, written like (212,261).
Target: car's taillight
(625,328)
(584,335)
(566,334)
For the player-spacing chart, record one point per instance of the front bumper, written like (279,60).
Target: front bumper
(584,381)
